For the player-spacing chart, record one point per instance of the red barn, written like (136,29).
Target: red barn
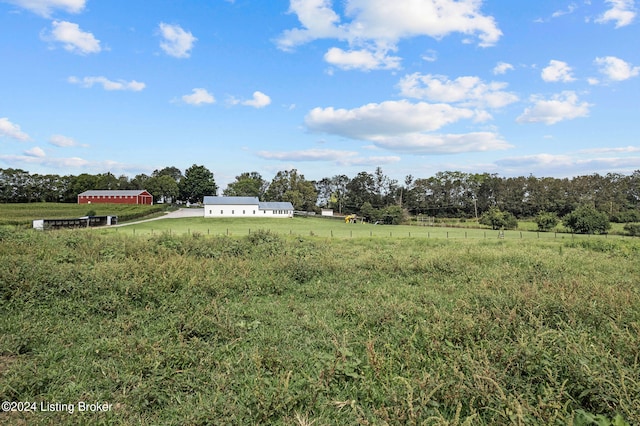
(136,196)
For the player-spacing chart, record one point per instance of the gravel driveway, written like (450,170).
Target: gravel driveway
(184,212)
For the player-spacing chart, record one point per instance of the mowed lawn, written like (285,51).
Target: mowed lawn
(325,228)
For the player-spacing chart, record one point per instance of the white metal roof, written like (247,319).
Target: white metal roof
(227,201)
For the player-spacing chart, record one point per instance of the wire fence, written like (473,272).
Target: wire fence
(369,232)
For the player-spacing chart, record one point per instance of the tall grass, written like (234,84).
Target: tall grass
(278,329)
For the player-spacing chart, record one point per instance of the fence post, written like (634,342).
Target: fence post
(332,233)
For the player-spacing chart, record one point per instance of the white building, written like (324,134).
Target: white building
(245,207)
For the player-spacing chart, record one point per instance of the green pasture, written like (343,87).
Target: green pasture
(25,213)
(324,228)
(267,328)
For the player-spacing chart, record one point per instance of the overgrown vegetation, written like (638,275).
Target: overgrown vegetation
(263,328)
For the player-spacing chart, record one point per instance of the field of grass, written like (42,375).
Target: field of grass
(24,214)
(267,328)
(325,228)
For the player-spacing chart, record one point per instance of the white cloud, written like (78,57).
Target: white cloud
(420,143)
(570,9)
(318,21)
(557,71)
(386,118)
(368,161)
(362,59)
(621,12)
(430,56)
(608,150)
(199,97)
(376,27)
(64,141)
(307,155)
(177,42)
(616,69)
(73,39)
(467,91)
(63,164)
(46,7)
(502,68)
(404,127)
(12,130)
(35,152)
(343,158)
(562,106)
(260,100)
(107,84)
(567,165)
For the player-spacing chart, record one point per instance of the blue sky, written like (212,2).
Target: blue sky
(548,88)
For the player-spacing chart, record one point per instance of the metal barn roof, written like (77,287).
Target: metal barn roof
(276,205)
(226,201)
(110,192)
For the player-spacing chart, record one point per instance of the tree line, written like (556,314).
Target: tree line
(373,195)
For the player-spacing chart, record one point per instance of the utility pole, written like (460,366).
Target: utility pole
(475,207)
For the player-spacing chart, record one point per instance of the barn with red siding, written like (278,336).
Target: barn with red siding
(136,196)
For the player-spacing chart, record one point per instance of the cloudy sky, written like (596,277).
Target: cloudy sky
(547,87)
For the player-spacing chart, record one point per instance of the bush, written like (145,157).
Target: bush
(632,229)
(546,221)
(626,216)
(587,220)
(497,219)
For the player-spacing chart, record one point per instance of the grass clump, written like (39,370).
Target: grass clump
(279,329)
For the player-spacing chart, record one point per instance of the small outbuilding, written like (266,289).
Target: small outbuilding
(245,207)
(134,196)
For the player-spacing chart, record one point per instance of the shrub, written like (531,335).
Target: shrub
(546,221)
(587,220)
(497,219)
(632,229)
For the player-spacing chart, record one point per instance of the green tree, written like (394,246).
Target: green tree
(546,221)
(197,183)
(248,184)
(370,213)
(393,215)
(498,219)
(587,220)
(173,172)
(290,186)
(162,188)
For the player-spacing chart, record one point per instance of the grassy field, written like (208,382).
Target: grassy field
(24,214)
(325,228)
(267,328)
